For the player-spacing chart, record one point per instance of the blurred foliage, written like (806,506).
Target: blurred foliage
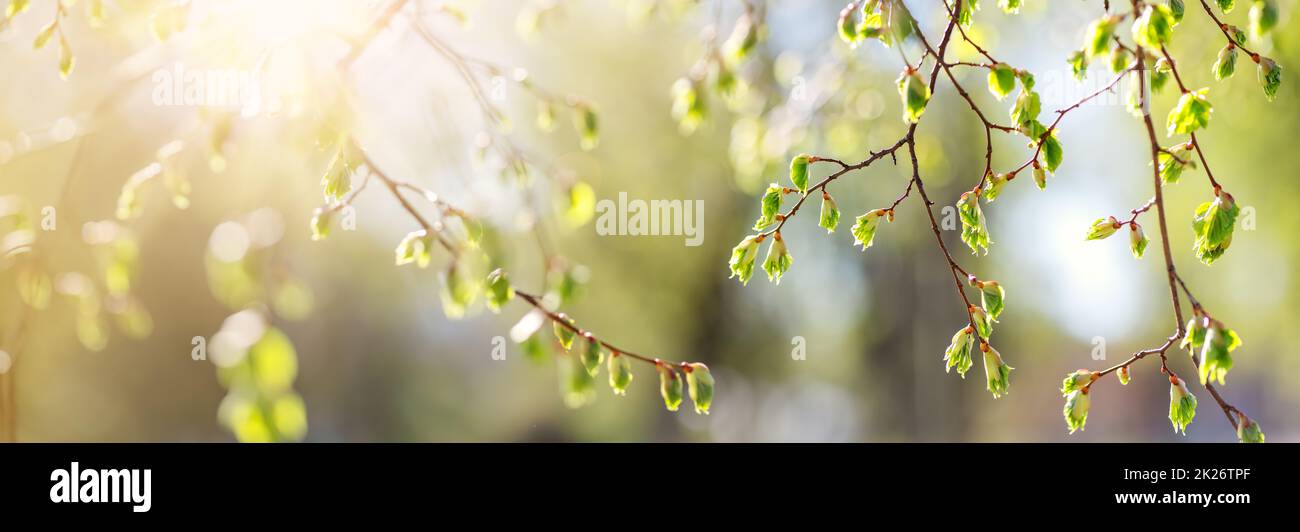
(144,254)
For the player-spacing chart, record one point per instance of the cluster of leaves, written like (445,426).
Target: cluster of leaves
(1207,340)
(93,298)
(256,361)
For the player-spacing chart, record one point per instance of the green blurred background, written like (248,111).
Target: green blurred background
(377,359)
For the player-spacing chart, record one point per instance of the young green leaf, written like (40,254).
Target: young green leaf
(799,172)
(1010,7)
(1123,375)
(1226,5)
(1191,113)
(1119,60)
(974,230)
(1270,77)
(1194,336)
(65,57)
(499,291)
(1103,228)
(983,322)
(993,297)
(592,354)
(1099,35)
(997,371)
(670,386)
(1154,27)
(1076,409)
(699,382)
(564,334)
(1137,240)
(995,184)
(1182,404)
(1078,61)
(1053,154)
(1002,80)
(830,215)
(1177,9)
(864,228)
(1173,162)
(577,385)
(1226,63)
(743,257)
(620,373)
(1076,381)
(958,354)
(1216,359)
(744,36)
(770,205)
(416,247)
(1263,17)
(915,94)
(778,259)
(1026,108)
(1213,225)
(688,105)
(848,25)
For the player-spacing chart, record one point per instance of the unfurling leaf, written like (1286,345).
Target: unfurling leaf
(1270,77)
(499,291)
(770,205)
(689,107)
(993,297)
(1040,177)
(620,372)
(915,94)
(864,228)
(416,247)
(1226,63)
(995,184)
(1078,61)
(983,322)
(1027,107)
(830,215)
(958,354)
(1099,35)
(670,386)
(65,57)
(1226,5)
(592,354)
(1076,381)
(1119,60)
(1216,359)
(1191,113)
(699,382)
(1182,404)
(577,385)
(744,36)
(997,371)
(1213,225)
(1010,7)
(44,35)
(778,259)
(1123,375)
(1173,162)
(974,230)
(743,257)
(1137,240)
(1155,27)
(1103,228)
(564,333)
(1076,409)
(1194,336)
